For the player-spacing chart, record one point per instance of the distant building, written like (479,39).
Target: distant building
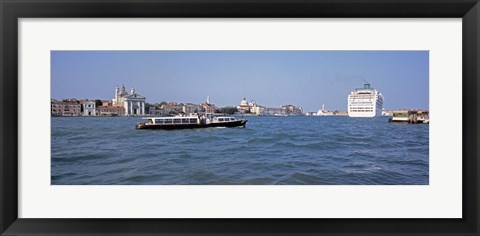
(155,111)
(67,107)
(340,113)
(325,112)
(107,103)
(89,108)
(250,107)
(293,110)
(253,108)
(133,103)
(172,108)
(57,107)
(193,108)
(257,110)
(208,107)
(111,111)
(274,111)
(244,106)
(322,112)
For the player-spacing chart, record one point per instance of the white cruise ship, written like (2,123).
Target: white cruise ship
(365,102)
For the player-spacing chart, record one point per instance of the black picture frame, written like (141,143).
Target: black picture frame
(11,11)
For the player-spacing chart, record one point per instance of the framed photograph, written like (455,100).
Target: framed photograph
(234,117)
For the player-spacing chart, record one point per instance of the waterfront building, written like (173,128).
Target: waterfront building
(292,110)
(156,111)
(244,107)
(107,103)
(89,108)
(189,108)
(72,107)
(340,113)
(323,111)
(172,108)
(298,111)
(111,111)
(365,102)
(209,108)
(257,110)
(250,107)
(67,107)
(133,103)
(56,107)
(275,111)
(253,108)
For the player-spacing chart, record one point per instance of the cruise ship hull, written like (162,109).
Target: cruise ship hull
(368,115)
(378,112)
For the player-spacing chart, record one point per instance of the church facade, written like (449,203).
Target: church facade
(133,103)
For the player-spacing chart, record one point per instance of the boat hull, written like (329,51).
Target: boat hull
(231,124)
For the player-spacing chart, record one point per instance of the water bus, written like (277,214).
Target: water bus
(410,116)
(190,122)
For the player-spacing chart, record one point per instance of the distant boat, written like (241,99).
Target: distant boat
(190,122)
(410,116)
(365,102)
(399,116)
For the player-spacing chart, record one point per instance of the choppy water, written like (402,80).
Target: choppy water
(270,150)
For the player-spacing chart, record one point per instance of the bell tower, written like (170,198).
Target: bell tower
(116,95)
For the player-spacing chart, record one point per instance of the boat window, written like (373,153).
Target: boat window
(232,119)
(167,121)
(177,121)
(193,121)
(220,119)
(158,121)
(184,120)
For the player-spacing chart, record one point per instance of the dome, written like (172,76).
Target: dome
(244,102)
(124,93)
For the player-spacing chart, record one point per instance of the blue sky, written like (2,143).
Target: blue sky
(272,78)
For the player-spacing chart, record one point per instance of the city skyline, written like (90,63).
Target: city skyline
(271,78)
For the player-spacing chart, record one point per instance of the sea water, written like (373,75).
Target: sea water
(292,150)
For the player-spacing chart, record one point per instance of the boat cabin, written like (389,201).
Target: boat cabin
(172,120)
(400,116)
(223,119)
